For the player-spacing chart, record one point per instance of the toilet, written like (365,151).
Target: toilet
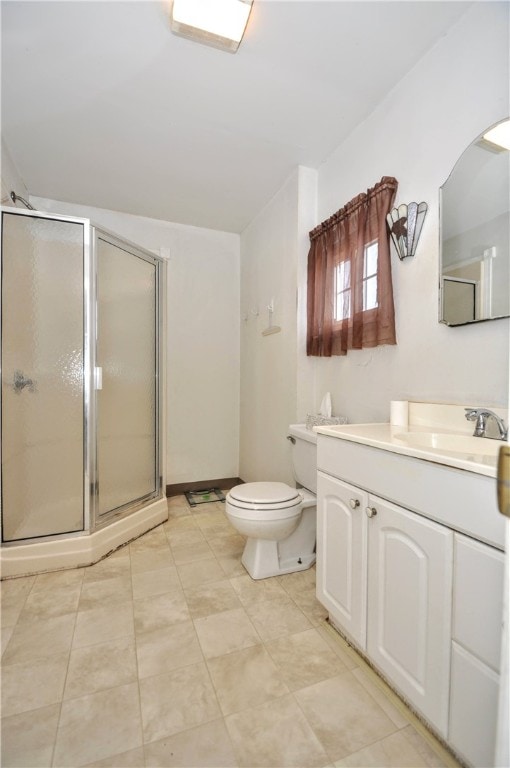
(279,521)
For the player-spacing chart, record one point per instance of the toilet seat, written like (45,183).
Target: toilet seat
(260,501)
(264,495)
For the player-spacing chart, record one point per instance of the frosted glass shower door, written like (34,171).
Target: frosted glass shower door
(42,376)
(126,401)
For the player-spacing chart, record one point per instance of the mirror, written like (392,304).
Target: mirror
(475,234)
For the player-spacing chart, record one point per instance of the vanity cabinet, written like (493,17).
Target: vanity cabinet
(403,575)
(385,576)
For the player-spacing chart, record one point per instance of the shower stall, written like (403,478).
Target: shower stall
(82,392)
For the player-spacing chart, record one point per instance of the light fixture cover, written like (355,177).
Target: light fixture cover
(405,224)
(219,23)
(499,134)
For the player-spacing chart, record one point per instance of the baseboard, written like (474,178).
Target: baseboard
(224,484)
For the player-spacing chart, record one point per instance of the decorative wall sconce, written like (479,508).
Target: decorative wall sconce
(405,223)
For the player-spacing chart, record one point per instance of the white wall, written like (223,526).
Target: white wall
(269,270)
(202,441)
(11,180)
(458,89)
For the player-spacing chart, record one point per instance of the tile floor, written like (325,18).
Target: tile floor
(168,654)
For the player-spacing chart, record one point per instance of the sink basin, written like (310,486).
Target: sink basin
(453,443)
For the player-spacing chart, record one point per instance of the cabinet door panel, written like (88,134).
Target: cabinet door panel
(409,598)
(473,708)
(341,555)
(478,599)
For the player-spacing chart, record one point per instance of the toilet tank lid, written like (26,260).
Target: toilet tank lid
(303,433)
(264,493)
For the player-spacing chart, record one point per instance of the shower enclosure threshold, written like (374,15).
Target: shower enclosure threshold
(79,551)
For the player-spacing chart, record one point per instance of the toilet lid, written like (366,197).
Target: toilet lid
(265,493)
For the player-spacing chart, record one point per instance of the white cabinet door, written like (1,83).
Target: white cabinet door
(473,708)
(409,598)
(341,555)
(477,626)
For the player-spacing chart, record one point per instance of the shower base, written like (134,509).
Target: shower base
(80,550)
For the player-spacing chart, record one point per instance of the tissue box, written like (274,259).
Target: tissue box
(316,420)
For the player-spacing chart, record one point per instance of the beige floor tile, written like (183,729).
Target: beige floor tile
(177,701)
(103,624)
(387,701)
(222,633)
(432,752)
(13,594)
(201,572)
(151,560)
(55,579)
(116,565)
(5,636)
(338,645)
(166,649)
(308,603)
(392,752)
(149,583)
(256,591)
(245,679)
(276,618)
(33,684)
(213,523)
(40,639)
(160,611)
(152,540)
(298,582)
(185,537)
(231,544)
(343,715)
(132,759)
(192,552)
(180,525)
(211,598)
(28,738)
(109,591)
(207,746)
(48,603)
(304,659)
(232,566)
(98,667)
(275,734)
(98,726)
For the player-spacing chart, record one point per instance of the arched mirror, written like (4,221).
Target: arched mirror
(475,232)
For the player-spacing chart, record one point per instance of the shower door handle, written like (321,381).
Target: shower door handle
(21,382)
(98,378)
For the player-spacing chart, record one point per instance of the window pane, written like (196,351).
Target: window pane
(370,263)
(370,293)
(343,290)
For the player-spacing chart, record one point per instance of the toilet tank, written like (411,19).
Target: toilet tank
(304,456)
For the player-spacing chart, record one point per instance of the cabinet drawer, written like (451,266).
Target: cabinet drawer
(478,599)
(473,708)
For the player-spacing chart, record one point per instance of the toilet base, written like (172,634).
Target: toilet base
(260,558)
(263,558)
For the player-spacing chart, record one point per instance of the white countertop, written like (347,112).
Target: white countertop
(386,437)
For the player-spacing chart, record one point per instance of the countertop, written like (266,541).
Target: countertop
(390,438)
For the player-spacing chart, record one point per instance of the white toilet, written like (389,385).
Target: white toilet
(279,521)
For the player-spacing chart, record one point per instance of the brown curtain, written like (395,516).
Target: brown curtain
(343,240)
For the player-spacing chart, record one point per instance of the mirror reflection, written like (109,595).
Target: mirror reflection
(475,232)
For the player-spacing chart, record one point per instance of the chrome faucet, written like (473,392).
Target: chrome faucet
(488,423)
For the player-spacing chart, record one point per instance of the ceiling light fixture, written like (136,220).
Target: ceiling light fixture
(499,135)
(220,23)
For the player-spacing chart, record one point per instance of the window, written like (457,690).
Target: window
(343,283)
(350,295)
